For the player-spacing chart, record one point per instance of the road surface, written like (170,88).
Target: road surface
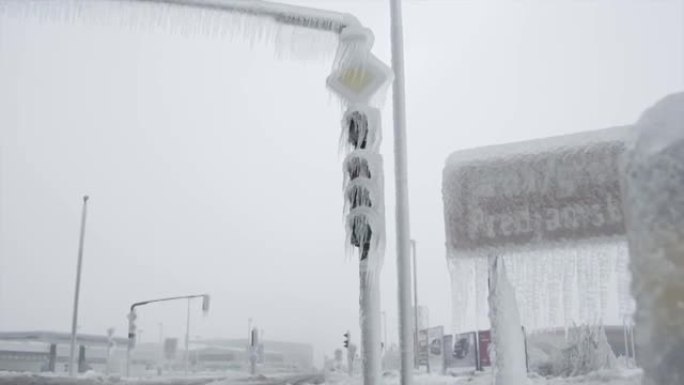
(43,379)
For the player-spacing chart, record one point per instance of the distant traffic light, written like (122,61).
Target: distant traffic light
(205,303)
(254,338)
(346,339)
(131,328)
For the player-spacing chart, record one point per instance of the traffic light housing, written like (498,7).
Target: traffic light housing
(346,339)
(205,303)
(132,316)
(363,182)
(254,340)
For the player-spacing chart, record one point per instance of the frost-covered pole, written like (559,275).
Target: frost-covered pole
(415,302)
(77,292)
(507,336)
(370,325)
(401,189)
(654,207)
(365,227)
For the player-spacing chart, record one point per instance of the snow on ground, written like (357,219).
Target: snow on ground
(608,377)
(91,378)
(611,377)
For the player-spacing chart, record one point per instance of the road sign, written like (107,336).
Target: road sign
(539,193)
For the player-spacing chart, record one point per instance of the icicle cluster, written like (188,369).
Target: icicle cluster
(554,289)
(298,32)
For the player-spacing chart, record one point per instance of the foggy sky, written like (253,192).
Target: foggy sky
(213,166)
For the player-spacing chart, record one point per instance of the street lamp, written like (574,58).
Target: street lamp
(77,292)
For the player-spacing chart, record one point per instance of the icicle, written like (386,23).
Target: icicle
(296,32)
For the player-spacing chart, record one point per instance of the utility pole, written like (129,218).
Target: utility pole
(74,318)
(187,340)
(401,189)
(415,302)
(384,330)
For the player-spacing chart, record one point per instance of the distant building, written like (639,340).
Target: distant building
(43,351)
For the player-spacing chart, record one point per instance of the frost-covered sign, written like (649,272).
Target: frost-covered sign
(535,194)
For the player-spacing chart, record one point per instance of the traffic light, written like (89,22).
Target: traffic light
(363,182)
(346,339)
(205,303)
(110,339)
(254,338)
(132,316)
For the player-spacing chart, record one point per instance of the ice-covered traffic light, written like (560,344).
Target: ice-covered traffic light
(363,182)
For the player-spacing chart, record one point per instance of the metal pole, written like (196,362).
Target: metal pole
(415,302)
(74,318)
(401,189)
(384,330)
(160,364)
(631,337)
(187,340)
(370,325)
(128,360)
(624,329)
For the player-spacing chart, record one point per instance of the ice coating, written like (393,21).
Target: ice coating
(535,194)
(586,285)
(507,334)
(367,119)
(364,210)
(654,185)
(553,208)
(293,31)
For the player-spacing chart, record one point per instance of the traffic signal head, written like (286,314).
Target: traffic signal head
(346,339)
(361,129)
(205,303)
(255,338)
(363,164)
(132,316)
(365,230)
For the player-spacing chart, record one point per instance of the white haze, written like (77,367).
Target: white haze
(213,167)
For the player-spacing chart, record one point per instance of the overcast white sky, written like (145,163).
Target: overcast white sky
(213,167)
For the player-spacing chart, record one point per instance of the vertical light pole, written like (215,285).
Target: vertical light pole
(160,364)
(401,189)
(187,339)
(415,301)
(74,318)
(384,330)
